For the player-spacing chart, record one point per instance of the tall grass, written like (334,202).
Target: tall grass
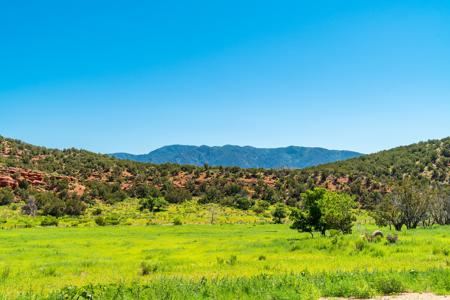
(289,286)
(248,259)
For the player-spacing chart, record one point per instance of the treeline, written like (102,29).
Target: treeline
(412,203)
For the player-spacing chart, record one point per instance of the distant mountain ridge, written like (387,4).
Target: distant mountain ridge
(241,156)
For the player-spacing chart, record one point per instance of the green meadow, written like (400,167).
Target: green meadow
(218,261)
(127,213)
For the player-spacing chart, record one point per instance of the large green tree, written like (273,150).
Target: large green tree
(322,210)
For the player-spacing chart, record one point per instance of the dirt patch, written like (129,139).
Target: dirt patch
(408,296)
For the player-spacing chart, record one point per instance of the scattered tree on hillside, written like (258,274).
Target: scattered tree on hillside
(51,204)
(153,204)
(369,178)
(279,213)
(177,195)
(143,190)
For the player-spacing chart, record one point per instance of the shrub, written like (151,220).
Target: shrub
(52,205)
(153,204)
(98,211)
(74,206)
(211,195)
(6,196)
(177,221)
(112,220)
(360,245)
(117,196)
(144,191)
(392,238)
(295,247)
(437,251)
(243,203)
(4,274)
(176,195)
(232,260)
(376,252)
(49,272)
(100,221)
(389,285)
(220,260)
(260,206)
(49,221)
(147,268)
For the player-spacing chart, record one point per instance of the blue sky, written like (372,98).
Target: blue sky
(132,76)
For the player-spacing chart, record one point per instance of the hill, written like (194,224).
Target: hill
(27,169)
(244,157)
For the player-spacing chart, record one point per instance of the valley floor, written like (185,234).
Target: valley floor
(220,260)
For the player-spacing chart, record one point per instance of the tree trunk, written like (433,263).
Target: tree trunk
(398,227)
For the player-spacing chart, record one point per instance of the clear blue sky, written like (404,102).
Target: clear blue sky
(136,75)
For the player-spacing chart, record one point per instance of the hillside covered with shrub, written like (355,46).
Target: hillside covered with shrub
(67,181)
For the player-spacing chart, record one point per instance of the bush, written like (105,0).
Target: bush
(243,203)
(392,238)
(260,206)
(144,191)
(52,205)
(117,196)
(177,221)
(30,208)
(211,195)
(112,220)
(220,260)
(74,207)
(232,260)
(147,268)
(153,204)
(389,285)
(49,221)
(98,211)
(100,221)
(176,195)
(360,245)
(6,196)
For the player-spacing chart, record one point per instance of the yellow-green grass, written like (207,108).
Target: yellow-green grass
(43,260)
(128,213)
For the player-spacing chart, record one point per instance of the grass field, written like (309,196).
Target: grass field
(213,261)
(127,213)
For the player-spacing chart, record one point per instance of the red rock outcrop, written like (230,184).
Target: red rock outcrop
(7,181)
